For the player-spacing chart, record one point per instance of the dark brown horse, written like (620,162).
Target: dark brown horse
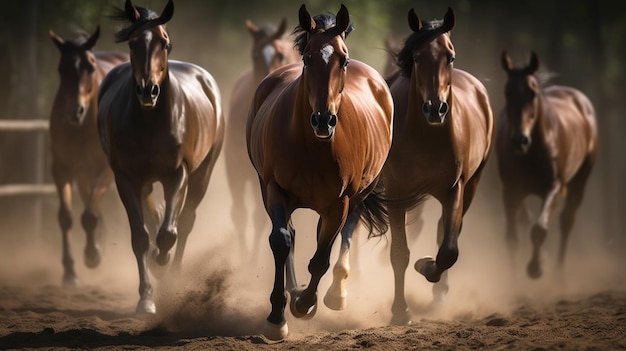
(318,136)
(161,121)
(270,50)
(76,152)
(442,135)
(546,144)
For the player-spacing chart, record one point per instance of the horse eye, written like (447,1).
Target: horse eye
(168,47)
(451,58)
(305,60)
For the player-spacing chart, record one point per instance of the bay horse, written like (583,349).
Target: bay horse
(76,153)
(318,134)
(159,120)
(442,136)
(546,146)
(270,50)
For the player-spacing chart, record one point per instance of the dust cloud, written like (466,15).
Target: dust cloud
(223,291)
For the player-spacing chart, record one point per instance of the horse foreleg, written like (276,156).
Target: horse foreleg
(281,244)
(540,230)
(399,255)
(92,193)
(130,194)
(304,302)
(64,190)
(174,193)
(448,253)
(512,200)
(337,293)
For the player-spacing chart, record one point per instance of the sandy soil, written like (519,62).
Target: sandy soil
(221,298)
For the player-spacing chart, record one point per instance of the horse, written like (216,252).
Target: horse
(270,50)
(318,134)
(442,136)
(76,153)
(546,146)
(159,120)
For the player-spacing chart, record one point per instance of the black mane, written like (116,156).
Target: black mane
(322,22)
(145,16)
(429,31)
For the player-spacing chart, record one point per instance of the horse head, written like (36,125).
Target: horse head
(269,49)
(149,46)
(325,58)
(427,58)
(522,104)
(77,70)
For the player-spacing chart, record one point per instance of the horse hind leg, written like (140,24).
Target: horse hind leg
(336,295)
(539,231)
(574,197)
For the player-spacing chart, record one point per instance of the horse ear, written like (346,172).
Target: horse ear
(252,28)
(282,27)
(534,63)
(91,42)
(167,13)
(505,60)
(449,19)
(306,21)
(131,11)
(342,21)
(414,21)
(57,40)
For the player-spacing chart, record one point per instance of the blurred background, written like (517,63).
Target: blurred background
(581,42)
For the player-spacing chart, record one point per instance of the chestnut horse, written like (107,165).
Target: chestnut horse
(442,135)
(161,121)
(318,136)
(546,145)
(76,152)
(270,50)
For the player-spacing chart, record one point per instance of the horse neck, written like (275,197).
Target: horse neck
(545,125)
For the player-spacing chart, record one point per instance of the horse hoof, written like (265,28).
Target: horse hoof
(275,332)
(534,270)
(146,306)
(70,281)
(334,302)
(92,257)
(403,318)
(299,311)
(427,267)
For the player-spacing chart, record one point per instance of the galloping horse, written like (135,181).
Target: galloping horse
(161,121)
(442,135)
(270,50)
(546,145)
(76,152)
(318,136)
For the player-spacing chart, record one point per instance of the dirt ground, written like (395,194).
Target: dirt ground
(221,298)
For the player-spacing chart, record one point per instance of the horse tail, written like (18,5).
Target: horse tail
(373,212)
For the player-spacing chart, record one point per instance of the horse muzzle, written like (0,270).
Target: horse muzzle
(323,125)
(520,143)
(148,94)
(435,112)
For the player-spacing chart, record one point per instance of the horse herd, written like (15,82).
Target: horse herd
(323,131)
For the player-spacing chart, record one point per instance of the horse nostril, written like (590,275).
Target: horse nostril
(315,119)
(524,140)
(139,90)
(443,109)
(154,91)
(427,107)
(332,122)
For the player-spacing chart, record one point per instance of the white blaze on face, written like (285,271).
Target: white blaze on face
(326,51)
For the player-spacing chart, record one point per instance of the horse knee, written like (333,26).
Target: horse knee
(140,242)
(280,243)
(65,219)
(446,257)
(319,265)
(89,221)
